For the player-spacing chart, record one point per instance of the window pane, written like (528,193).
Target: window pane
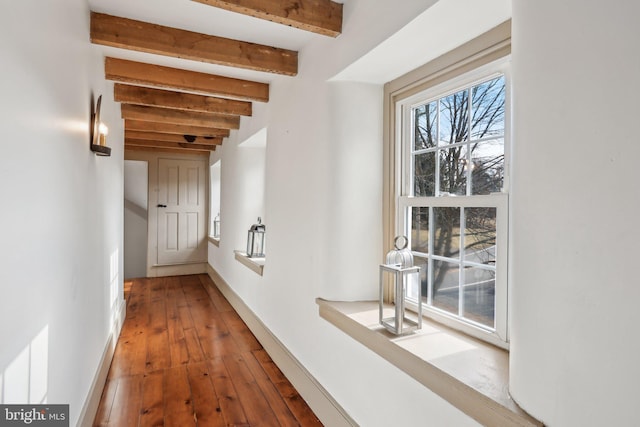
(425,126)
(446,241)
(487,102)
(479,295)
(454,117)
(445,285)
(487,159)
(423,263)
(480,235)
(453,171)
(413,286)
(420,229)
(424,178)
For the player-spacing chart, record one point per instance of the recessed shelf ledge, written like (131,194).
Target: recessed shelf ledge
(214,240)
(254,264)
(468,373)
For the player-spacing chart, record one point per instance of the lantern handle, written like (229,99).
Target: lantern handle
(398,239)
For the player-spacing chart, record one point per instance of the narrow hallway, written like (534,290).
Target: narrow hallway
(185,358)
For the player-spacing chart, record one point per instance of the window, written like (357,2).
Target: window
(448,169)
(214,201)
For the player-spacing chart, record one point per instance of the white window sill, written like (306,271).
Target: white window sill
(214,240)
(254,264)
(468,373)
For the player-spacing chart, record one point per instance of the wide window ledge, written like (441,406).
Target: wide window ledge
(468,373)
(254,264)
(215,240)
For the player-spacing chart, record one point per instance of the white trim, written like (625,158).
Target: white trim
(90,407)
(254,264)
(435,81)
(177,270)
(471,375)
(501,202)
(326,408)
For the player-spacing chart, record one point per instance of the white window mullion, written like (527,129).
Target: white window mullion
(468,153)
(436,187)
(430,258)
(461,267)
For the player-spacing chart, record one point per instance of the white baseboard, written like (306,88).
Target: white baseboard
(176,270)
(90,408)
(326,408)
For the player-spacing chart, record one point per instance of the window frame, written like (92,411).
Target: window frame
(475,62)
(215,173)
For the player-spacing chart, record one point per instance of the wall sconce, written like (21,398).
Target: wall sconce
(400,273)
(98,134)
(103,131)
(255,240)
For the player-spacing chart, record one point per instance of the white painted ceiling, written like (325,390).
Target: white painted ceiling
(397,54)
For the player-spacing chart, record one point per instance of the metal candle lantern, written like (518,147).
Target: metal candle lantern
(400,273)
(216,226)
(255,240)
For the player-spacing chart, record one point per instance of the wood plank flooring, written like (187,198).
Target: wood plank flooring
(185,358)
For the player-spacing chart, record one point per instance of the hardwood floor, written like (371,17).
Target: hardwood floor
(185,358)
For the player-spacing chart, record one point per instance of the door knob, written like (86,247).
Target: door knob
(161,206)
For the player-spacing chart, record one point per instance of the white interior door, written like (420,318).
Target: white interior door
(181,210)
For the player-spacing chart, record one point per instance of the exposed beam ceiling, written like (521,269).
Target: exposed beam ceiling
(169,137)
(191,118)
(144,126)
(151,38)
(166,150)
(179,109)
(123,71)
(163,144)
(127,94)
(319,16)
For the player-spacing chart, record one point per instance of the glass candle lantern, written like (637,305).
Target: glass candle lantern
(255,240)
(216,226)
(400,273)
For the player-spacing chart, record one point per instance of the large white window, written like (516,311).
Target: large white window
(452,197)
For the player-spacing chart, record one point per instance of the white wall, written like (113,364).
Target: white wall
(574,200)
(323,213)
(61,220)
(135,218)
(574,352)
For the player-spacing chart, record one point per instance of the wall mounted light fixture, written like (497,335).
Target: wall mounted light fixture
(98,133)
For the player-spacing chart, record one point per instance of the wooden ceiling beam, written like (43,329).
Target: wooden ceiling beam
(139,73)
(163,144)
(138,95)
(141,36)
(318,16)
(169,137)
(144,126)
(191,118)
(167,150)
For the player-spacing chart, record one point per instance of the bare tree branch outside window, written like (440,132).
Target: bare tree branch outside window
(458,150)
